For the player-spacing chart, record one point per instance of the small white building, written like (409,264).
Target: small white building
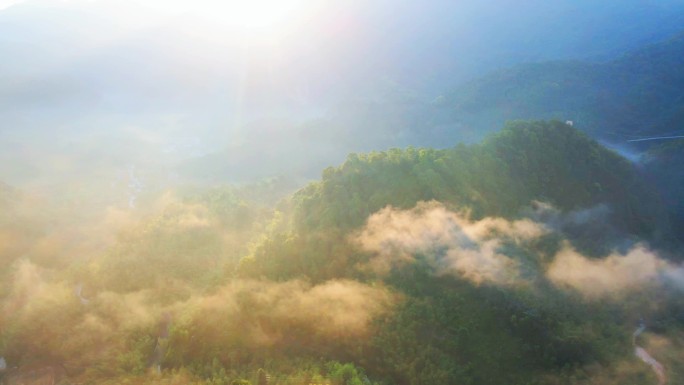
(570,123)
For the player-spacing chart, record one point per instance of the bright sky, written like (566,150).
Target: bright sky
(8,3)
(245,13)
(254,16)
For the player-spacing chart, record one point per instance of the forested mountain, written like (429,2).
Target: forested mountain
(527,162)
(100,78)
(341,192)
(113,56)
(528,258)
(635,96)
(638,95)
(663,165)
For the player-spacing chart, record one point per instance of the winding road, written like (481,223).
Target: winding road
(657,138)
(644,356)
(79,294)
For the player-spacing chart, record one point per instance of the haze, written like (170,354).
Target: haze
(341,192)
(148,75)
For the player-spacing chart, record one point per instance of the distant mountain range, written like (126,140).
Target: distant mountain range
(81,78)
(109,57)
(638,95)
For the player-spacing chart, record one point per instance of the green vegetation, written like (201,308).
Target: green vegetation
(637,95)
(217,287)
(549,162)
(663,167)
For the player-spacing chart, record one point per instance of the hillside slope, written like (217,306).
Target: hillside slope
(638,95)
(526,259)
(368,220)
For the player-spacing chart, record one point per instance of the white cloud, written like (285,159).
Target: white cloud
(451,242)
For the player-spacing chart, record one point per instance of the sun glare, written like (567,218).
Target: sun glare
(268,16)
(259,13)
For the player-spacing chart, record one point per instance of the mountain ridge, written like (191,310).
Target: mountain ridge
(636,95)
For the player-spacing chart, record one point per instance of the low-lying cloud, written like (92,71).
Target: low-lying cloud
(266,312)
(451,242)
(53,324)
(613,274)
(616,274)
(487,250)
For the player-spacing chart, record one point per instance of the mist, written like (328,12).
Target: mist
(118,85)
(254,313)
(451,242)
(614,275)
(171,210)
(497,251)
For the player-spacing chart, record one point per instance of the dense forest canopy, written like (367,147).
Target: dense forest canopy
(527,258)
(296,192)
